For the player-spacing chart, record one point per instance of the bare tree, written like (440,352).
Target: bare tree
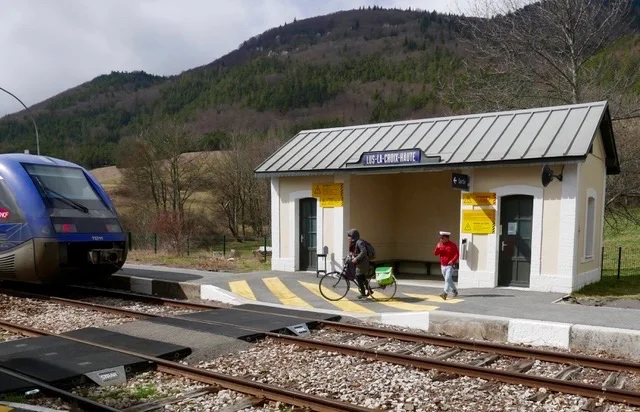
(156,169)
(623,190)
(543,52)
(242,198)
(525,54)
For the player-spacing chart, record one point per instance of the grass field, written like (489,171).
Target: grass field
(610,287)
(234,257)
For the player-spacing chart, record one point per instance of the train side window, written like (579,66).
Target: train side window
(9,210)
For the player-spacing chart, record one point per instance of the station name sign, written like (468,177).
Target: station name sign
(394,157)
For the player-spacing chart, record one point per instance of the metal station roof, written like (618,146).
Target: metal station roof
(547,134)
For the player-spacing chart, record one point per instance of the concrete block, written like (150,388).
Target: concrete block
(175,290)
(463,325)
(624,342)
(117,282)
(419,320)
(539,333)
(141,285)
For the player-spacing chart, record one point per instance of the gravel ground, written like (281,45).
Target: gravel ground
(6,335)
(380,384)
(153,386)
(139,306)
(53,317)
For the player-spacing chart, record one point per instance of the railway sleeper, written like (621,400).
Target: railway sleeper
(519,367)
(615,380)
(567,373)
(484,361)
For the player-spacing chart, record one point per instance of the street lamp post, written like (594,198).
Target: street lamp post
(30,115)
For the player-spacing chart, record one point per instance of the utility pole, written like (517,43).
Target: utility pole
(30,115)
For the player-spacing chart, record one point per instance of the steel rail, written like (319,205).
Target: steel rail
(480,346)
(246,386)
(497,348)
(576,388)
(87,404)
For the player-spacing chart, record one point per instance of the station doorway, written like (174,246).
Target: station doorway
(514,248)
(308,230)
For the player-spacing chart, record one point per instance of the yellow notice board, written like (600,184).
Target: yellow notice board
(479,221)
(330,194)
(479,198)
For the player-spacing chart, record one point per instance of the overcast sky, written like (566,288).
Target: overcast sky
(50,46)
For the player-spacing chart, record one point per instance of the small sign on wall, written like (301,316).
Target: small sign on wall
(330,194)
(459,181)
(479,199)
(480,221)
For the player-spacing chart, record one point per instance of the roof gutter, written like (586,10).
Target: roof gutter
(425,167)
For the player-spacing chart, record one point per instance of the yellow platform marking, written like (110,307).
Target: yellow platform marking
(282,292)
(4,408)
(242,288)
(343,304)
(398,304)
(433,298)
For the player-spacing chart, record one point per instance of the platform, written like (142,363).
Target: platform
(513,315)
(64,363)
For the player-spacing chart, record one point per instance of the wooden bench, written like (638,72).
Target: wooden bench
(396,262)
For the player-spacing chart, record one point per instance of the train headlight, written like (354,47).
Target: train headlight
(114,228)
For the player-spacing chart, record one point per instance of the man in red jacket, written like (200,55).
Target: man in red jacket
(448,252)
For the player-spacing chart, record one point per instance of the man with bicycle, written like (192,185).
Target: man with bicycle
(360,258)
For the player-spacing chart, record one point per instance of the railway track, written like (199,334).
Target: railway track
(246,386)
(487,353)
(84,403)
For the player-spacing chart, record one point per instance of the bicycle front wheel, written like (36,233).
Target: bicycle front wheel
(334,286)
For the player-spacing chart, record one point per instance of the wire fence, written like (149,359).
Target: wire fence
(620,261)
(212,245)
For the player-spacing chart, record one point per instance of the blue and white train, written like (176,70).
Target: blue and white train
(56,222)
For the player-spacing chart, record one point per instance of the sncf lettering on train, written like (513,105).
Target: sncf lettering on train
(97,237)
(4,213)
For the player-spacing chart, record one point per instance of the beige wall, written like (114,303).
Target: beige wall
(591,176)
(425,203)
(372,211)
(289,185)
(485,180)
(402,213)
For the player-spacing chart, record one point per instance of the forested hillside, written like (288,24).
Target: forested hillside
(349,67)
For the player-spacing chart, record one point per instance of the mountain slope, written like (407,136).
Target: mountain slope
(348,67)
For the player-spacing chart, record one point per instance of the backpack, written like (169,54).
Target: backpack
(371,251)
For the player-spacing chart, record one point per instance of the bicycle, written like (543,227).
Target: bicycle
(332,284)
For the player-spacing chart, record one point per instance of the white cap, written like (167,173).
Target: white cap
(442,233)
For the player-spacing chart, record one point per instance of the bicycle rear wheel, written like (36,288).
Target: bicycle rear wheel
(384,293)
(333,286)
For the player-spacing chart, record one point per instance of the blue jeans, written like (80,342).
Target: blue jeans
(447,272)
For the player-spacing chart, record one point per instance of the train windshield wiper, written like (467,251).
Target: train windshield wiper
(66,200)
(63,198)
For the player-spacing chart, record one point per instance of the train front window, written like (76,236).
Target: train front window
(64,187)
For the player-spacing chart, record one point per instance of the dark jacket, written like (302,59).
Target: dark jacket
(359,252)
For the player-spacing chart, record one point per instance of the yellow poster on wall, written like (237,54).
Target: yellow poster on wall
(479,221)
(479,198)
(330,194)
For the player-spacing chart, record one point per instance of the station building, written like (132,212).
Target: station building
(522,193)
